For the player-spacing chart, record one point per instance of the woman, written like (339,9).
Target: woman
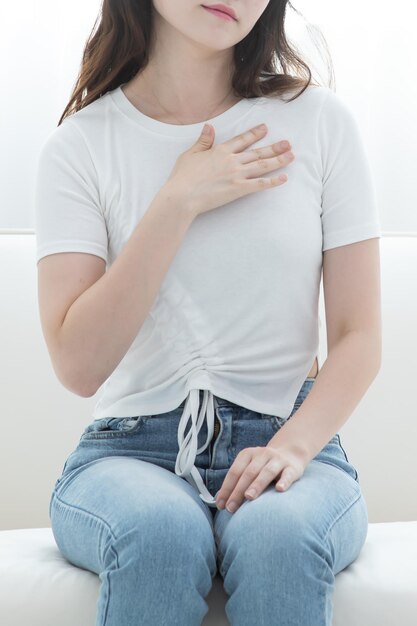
(202,334)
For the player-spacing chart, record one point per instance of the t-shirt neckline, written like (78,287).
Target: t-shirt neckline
(220,122)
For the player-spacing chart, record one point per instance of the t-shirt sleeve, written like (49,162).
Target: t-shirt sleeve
(349,203)
(68,214)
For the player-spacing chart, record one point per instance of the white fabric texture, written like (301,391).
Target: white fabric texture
(237,311)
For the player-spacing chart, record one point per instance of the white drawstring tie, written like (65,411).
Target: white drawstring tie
(184,465)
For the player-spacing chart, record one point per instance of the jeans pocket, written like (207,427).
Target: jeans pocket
(278,421)
(111,427)
(302,395)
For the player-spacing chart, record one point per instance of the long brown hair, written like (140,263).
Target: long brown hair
(119,48)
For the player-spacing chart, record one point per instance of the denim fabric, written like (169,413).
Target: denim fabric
(119,510)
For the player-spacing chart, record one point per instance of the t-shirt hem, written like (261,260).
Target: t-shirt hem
(151,407)
(67,246)
(351,235)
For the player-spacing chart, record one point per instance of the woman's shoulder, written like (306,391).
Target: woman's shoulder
(314,101)
(90,118)
(311,96)
(80,130)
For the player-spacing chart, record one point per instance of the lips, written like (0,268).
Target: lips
(222,8)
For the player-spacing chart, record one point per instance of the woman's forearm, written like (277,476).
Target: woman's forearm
(342,381)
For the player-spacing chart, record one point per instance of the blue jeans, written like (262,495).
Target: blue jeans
(119,510)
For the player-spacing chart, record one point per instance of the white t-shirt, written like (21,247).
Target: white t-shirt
(237,312)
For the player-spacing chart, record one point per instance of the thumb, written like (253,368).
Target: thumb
(205,141)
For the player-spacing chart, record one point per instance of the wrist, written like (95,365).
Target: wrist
(180,201)
(289,440)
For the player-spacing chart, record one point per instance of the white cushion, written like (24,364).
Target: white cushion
(39,587)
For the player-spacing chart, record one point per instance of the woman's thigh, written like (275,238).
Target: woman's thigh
(325,503)
(121,493)
(144,531)
(288,545)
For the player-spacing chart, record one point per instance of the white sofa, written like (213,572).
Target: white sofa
(42,421)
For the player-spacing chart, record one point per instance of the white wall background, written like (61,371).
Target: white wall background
(373,49)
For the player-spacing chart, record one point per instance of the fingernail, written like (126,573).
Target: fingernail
(284,144)
(220,504)
(251,493)
(231,507)
(261,126)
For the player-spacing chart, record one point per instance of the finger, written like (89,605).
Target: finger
(263,166)
(232,477)
(252,185)
(286,479)
(250,474)
(280,148)
(244,140)
(267,474)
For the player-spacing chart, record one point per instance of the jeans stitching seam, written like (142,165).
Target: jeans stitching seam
(111,547)
(97,517)
(341,515)
(323,556)
(79,508)
(347,460)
